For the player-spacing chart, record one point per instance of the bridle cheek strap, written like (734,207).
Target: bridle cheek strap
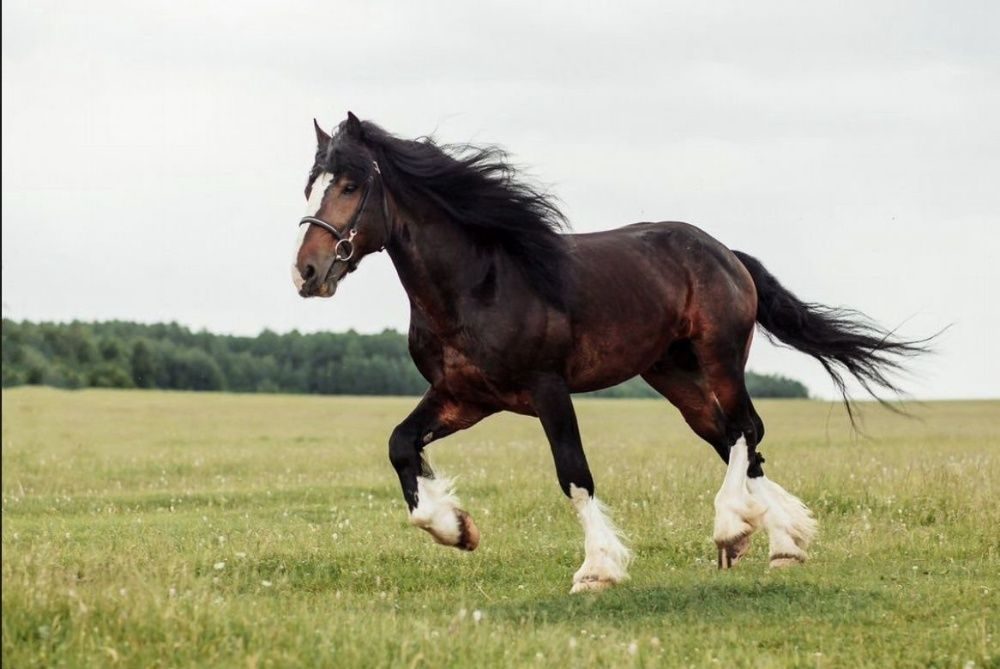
(344,250)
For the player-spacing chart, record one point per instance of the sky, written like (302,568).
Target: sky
(154,153)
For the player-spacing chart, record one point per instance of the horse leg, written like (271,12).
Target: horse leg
(789,522)
(606,557)
(431,499)
(716,407)
(719,409)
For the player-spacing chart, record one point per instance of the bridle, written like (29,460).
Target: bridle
(344,250)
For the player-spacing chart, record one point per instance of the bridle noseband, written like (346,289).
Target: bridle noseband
(344,250)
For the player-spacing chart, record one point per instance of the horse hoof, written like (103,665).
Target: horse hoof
(591,584)
(784,560)
(468,539)
(731,551)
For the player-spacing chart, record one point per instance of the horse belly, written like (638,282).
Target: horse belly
(609,356)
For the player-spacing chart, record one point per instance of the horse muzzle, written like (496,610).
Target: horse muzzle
(309,284)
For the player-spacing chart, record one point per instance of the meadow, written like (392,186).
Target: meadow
(170,529)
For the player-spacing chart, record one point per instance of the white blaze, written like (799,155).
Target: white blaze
(313,206)
(319,187)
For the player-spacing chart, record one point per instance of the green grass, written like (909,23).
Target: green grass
(154,529)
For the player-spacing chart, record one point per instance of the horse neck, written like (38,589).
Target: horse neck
(436,262)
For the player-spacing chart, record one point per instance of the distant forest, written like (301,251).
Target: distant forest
(119,354)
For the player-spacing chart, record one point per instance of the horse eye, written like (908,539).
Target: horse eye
(350,188)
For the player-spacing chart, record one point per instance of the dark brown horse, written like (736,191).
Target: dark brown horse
(507,314)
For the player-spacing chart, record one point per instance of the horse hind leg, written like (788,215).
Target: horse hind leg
(716,412)
(789,523)
(738,513)
(720,411)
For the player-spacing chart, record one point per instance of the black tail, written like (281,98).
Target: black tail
(843,340)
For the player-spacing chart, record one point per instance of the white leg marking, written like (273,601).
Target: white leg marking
(436,509)
(737,514)
(607,558)
(789,523)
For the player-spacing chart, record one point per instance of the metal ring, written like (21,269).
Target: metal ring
(350,249)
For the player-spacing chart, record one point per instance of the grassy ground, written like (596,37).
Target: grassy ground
(173,529)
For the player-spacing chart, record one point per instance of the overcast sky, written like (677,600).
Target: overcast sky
(154,153)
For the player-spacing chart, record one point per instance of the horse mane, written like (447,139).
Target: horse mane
(479,189)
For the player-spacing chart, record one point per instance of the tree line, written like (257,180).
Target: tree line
(120,354)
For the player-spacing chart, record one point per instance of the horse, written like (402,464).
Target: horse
(511,312)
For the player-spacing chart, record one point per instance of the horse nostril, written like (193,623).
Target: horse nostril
(309,272)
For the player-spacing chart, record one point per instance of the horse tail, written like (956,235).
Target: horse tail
(843,340)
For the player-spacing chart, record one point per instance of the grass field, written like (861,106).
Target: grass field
(152,529)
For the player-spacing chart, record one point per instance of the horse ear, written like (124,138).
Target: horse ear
(353,125)
(322,139)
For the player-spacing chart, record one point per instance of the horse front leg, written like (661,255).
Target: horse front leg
(430,497)
(606,556)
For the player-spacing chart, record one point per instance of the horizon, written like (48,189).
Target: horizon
(812,396)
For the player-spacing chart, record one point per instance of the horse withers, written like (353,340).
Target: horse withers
(508,313)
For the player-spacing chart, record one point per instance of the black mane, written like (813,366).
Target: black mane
(478,189)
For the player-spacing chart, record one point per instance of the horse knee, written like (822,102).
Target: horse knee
(572,471)
(403,450)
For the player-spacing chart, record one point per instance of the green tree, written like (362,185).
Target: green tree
(167,355)
(143,363)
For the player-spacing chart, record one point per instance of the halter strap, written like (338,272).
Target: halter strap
(344,248)
(312,220)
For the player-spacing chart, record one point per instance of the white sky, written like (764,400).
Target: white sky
(154,153)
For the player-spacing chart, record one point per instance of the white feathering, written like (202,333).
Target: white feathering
(789,523)
(436,509)
(607,557)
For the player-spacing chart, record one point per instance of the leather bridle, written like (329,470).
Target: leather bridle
(344,250)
